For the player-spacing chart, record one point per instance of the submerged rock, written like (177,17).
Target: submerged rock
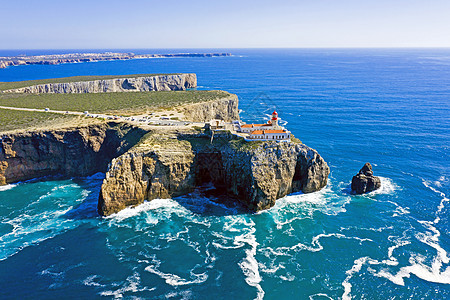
(364,181)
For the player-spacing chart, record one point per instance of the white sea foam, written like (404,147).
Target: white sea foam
(326,201)
(441,194)
(90,281)
(249,265)
(288,277)
(387,187)
(132,284)
(399,210)
(7,187)
(315,245)
(27,230)
(271,269)
(380,229)
(314,198)
(358,263)
(146,206)
(35,223)
(183,295)
(321,295)
(437,272)
(418,268)
(175,280)
(392,261)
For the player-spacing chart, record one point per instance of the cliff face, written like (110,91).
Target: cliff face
(173,164)
(139,84)
(71,152)
(222,109)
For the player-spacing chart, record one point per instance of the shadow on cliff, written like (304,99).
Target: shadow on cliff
(87,209)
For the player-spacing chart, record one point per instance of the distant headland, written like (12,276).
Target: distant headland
(56,59)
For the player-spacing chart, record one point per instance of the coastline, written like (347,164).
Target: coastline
(57,59)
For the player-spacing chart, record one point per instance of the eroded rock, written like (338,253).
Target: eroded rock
(254,173)
(364,181)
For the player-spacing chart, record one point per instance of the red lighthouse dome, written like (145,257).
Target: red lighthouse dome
(274,115)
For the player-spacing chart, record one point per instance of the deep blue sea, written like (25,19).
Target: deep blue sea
(388,107)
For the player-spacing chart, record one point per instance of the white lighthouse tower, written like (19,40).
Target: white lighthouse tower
(274,120)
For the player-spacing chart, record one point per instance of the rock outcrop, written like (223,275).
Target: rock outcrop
(254,173)
(176,82)
(71,152)
(225,108)
(364,181)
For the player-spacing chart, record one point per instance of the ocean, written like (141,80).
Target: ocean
(389,107)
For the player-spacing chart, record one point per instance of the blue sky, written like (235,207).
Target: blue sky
(47,24)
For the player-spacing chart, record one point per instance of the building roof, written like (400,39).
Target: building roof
(254,125)
(274,131)
(258,132)
(268,131)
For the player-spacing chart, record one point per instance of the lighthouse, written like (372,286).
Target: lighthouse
(274,120)
(270,131)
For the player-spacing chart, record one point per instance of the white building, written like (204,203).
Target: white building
(269,131)
(216,124)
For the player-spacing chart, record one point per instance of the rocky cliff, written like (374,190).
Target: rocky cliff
(72,152)
(175,82)
(172,164)
(225,108)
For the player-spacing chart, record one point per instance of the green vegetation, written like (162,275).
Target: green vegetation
(129,102)
(295,140)
(240,143)
(14,119)
(158,141)
(19,84)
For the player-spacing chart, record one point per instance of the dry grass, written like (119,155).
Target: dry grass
(124,103)
(12,119)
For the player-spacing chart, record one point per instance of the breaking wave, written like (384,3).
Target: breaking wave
(7,187)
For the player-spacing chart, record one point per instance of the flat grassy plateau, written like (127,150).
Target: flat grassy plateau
(14,119)
(130,102)
(120,103)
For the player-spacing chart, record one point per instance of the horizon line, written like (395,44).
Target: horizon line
(242,48)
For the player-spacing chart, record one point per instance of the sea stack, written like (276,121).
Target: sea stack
(364,181)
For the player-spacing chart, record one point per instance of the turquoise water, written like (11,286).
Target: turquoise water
(388,107)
